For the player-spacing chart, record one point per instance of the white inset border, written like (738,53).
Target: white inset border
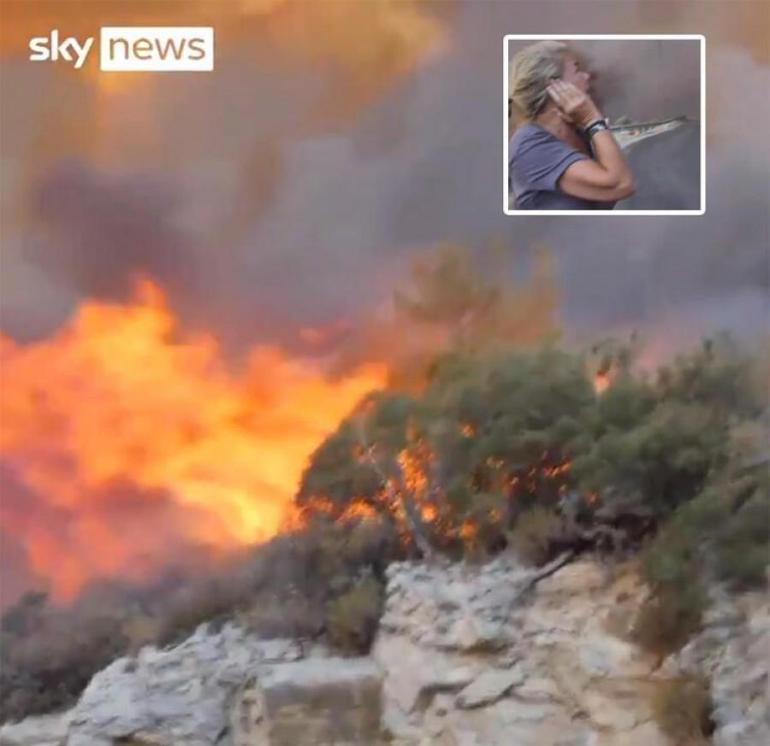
(607,37)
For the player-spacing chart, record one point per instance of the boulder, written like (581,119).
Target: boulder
(175,695)
(546,667)
(309,702)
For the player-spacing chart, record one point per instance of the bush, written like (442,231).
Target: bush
(669,619)
(296,585)
(674,611)
(723,533)
(682,708)
(283,615)
(663,440)
(49,669)
(743,544)
(210,601)
(537,535)
(496,433)
(489,437)
(352,618)
(663,459)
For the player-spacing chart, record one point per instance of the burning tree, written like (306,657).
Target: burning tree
(502,423)
(489,438)
(408,455)
(497,434)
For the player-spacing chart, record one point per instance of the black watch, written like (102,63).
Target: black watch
(594,127)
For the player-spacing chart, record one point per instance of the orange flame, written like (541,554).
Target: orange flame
(601,381)
(122,396)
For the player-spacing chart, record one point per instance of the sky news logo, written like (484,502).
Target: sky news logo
(133,49)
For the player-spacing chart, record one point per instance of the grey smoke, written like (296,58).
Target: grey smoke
(422,166)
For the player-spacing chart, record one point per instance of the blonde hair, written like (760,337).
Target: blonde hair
(531,71)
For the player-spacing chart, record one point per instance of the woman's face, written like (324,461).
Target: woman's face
(575,73)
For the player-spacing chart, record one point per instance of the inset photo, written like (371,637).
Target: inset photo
(604,125)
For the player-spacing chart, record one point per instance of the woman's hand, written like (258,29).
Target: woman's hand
(574,106)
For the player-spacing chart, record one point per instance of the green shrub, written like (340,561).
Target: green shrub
(489,437)
(352,618)
(743,544)
(682,708)
(674,611)
(523,428)
(723,533)
(662,440)
(664,458)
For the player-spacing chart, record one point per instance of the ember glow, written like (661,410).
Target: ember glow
(601,381)
(121,396)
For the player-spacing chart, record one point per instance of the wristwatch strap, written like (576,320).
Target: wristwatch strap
(594,127)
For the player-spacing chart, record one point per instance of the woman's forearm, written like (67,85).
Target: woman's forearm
(606,176)
(610,157)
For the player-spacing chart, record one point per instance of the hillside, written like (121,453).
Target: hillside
(508,538)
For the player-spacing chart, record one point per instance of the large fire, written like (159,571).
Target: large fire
(120,406)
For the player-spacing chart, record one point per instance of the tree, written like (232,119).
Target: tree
(470,311)
(496,433)
(489,437)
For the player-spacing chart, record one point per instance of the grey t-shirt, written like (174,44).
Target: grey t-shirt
(537,161)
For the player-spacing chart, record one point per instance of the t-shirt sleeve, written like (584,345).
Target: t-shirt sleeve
(541,159)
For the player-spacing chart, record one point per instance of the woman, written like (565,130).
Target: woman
(563,156)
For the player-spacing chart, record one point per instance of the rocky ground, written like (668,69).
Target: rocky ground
(465,656)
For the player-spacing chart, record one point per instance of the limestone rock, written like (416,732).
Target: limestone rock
(176,695)
(646,734)
(548,669)
(44,730)
(489,687)
(733,653)
(568,638)
(309,702)
(580,577)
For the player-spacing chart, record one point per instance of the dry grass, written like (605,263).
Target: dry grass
(535,534)
(682,708)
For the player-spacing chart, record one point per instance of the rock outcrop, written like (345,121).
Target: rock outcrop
(465,656)
(179,695)
(173,696)
(314,701)
(475,656)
